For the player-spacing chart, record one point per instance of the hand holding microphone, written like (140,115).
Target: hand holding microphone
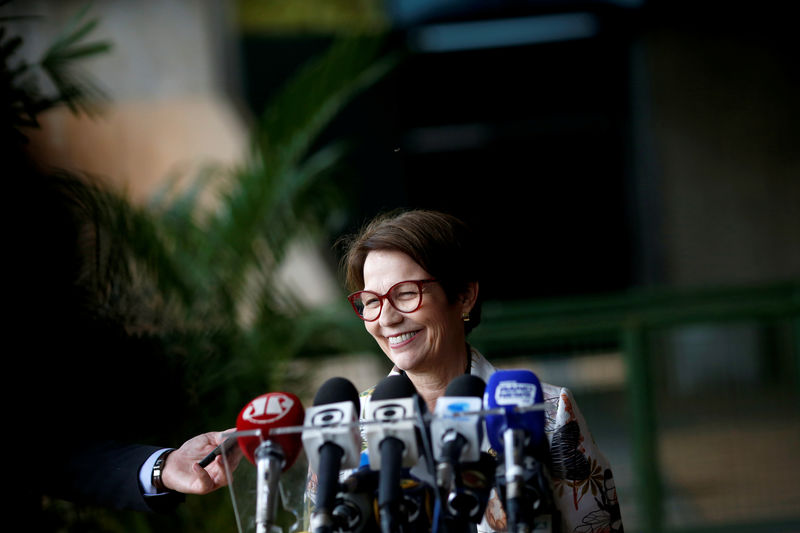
(183,473)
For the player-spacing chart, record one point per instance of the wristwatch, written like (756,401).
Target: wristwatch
(158,469)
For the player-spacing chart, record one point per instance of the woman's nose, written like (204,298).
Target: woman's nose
(389,315)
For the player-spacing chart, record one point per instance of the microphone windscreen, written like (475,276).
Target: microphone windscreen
(333,421)
(337,389)
(394,386)
(512,390)
(466,385)
(391,409)
(269,411)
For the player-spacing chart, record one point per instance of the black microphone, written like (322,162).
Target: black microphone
(332,441)
(392,443)
(354,511)
(474,483)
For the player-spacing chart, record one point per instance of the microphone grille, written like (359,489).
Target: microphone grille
(394,386)
(337,389)
(466,385)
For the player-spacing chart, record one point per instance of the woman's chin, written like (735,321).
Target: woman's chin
(405,360)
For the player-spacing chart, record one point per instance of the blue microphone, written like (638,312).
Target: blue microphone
(515,427)
(513,397)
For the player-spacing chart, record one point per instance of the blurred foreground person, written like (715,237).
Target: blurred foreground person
(85,391)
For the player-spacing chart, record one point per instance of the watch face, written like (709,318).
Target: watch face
(157,468)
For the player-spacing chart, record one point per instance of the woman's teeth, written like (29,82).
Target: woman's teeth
(400,338)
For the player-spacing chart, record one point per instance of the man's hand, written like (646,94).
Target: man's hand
(182,473)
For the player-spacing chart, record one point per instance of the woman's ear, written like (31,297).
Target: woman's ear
(469,297)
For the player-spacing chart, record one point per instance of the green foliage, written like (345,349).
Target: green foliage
(213,249)
(74,89)
(22,83)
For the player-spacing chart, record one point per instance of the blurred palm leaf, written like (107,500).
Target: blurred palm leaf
(203,258)
(76,90)
(22,84)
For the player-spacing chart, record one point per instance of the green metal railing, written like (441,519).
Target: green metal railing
(626,321)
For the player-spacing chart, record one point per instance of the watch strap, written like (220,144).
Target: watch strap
(158,470)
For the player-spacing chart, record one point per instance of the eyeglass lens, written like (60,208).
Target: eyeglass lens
(405,297)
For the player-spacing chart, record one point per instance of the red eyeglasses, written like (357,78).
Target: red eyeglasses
(405,296)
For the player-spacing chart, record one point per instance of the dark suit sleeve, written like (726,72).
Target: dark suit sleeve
(107,474)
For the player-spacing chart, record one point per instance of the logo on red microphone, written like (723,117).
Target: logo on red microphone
(268,408)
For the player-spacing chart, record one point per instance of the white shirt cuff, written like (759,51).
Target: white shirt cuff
(146,473)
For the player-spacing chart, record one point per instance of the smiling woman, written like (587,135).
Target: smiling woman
(426,341)
(415,276)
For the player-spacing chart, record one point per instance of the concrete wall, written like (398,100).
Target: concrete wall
(171,82)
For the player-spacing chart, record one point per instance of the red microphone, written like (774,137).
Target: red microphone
(271,453)
(269,411)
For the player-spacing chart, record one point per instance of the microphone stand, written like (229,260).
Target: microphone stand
(389,492)
(458,518)
(270,459)
(513,442)
(545,516)
(329,462)
(456,507)
(525,487)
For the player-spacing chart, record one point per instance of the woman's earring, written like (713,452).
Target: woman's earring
(465,316)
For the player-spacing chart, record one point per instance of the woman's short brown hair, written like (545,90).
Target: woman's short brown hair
(440,243)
